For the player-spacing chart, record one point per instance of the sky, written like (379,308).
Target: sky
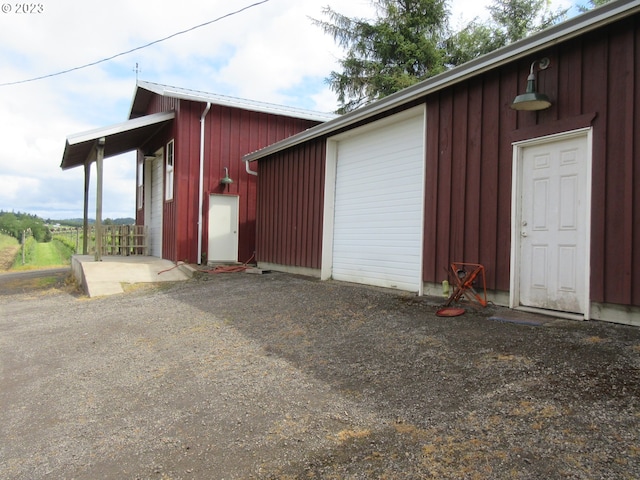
(270,51)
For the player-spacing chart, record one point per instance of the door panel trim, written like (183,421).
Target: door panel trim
(516,210)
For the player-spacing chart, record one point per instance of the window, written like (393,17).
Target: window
(169,172)
(140,185)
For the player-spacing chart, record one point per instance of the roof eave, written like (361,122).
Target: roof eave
(227,101)
(119,127)
(91,136)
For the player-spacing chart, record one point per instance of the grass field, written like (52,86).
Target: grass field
(9,248)
(51,253)
(37,255)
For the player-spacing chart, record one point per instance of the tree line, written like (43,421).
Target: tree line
(17,224)
(14,224)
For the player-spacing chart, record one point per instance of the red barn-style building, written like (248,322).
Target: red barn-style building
(194,193)
(453,169)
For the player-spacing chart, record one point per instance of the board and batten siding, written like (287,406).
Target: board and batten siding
(290,207)
(468,179)
(230,133)
(593,81)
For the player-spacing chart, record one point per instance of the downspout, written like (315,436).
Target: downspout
(201,182)
(249,171)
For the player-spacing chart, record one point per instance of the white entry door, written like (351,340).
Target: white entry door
(154,200)
(223,228)
(552,226)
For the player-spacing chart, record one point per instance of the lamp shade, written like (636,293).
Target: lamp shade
(532,100)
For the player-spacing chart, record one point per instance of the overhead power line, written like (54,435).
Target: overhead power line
(135,49)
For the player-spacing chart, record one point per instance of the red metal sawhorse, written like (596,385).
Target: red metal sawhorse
(464,276)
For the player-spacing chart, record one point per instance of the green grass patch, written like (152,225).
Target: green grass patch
(42,255)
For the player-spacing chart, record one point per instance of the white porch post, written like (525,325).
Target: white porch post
(99,161)
(85,221)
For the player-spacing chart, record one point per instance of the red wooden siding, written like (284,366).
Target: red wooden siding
(468,178)
(290,207)
(229,135)
(469,155)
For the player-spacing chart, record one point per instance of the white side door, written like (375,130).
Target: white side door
(154,200)
(553,225)
(223,228)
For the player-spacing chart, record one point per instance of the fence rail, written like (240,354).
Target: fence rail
(123,240)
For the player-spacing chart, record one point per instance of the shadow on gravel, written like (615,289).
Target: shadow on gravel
(463,397)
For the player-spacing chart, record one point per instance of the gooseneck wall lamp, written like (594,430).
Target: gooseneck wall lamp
(532,100)
(226,180)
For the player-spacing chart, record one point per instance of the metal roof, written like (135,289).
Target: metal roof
(571,28)
(145,91)
(120,138)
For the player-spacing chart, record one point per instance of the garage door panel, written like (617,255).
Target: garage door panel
(379,206)
(379,277)
(377,229)
(383,170)
(388,204)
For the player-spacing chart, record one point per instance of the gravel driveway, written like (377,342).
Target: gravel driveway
(275,376)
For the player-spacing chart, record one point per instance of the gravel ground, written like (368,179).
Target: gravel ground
(275,376)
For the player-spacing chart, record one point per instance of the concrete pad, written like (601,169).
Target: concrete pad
(107,276)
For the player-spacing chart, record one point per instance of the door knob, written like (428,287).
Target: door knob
(523,234)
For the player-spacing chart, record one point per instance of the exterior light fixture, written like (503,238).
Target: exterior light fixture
(226,180)
(532,100)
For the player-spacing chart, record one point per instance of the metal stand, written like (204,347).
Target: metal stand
(465,276)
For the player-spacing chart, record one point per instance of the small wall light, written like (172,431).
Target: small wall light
(226,180)
(532,100)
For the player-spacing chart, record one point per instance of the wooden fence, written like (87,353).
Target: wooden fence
(123,240)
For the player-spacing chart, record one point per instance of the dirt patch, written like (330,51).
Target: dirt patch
(241,376)
(7,256)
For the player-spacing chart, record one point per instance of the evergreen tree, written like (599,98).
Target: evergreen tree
(511,20)
(472,41)
(517,19)
(593,4)
(402,46)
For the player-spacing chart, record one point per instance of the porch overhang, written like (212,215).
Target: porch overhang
(80,149)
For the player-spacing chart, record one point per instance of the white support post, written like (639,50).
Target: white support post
(99,166)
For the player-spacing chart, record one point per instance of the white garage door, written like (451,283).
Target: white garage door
(377,237)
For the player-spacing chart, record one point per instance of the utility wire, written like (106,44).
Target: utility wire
(135,49)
